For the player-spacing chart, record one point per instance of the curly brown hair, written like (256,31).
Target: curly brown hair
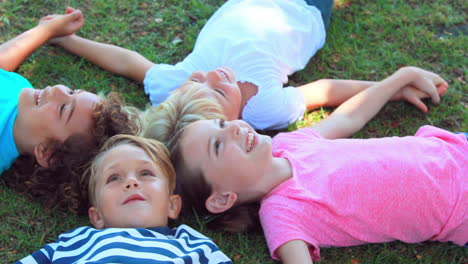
(59,186)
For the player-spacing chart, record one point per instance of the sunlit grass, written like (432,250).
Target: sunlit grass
(366,40)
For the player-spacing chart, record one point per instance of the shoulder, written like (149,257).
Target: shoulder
(13,80)
(185,230)
(298,137)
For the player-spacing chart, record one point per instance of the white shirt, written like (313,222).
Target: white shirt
(263,41)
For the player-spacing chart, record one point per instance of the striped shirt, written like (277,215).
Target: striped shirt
(129,245)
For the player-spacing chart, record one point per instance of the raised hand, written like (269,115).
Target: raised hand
(63,25)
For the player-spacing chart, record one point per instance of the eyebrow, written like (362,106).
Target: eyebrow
(72,110)
(211,140)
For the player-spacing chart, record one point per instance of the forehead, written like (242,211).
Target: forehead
(206,93)
(87,102)
(82,117)
(122,156)
(195,141)
(199,131)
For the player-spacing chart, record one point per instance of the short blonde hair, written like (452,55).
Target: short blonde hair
(155,150)
(184,106)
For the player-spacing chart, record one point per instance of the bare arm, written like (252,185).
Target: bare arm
(330,92)
(353,114)
(294,251)
(112,58)
(16,50)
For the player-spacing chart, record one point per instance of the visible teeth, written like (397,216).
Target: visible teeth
(38,94)
(250,141)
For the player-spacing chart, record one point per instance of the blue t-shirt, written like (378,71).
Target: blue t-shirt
(11,85)
(130,245)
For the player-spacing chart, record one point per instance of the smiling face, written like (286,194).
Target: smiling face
(131,191)
(222,83)
(230,155)
(54,113)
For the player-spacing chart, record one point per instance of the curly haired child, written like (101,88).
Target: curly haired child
(48,135)
(317,189)
(131,183)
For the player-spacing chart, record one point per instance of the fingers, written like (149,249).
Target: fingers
(412,97)
(418,103)
(442,88)
(69,10)
(428,85)
(76,13)
(75,19)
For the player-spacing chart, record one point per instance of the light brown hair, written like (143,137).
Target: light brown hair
(154,149)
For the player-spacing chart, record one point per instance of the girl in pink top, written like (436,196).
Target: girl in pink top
(317,189)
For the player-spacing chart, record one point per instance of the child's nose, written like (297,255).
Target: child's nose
(213,78)
(59,92)
(234,129)
(131,182)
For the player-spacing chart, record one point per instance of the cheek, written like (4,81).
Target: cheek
(235,158)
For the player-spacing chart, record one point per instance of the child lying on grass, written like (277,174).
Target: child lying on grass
(317,189)
(244,54)
(47,135)
(131,184)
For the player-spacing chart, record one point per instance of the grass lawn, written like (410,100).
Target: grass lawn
(366,40)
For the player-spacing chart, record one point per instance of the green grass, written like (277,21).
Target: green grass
(366,40)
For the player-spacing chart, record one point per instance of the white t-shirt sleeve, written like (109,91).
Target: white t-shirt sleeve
(274,108)
(162,79)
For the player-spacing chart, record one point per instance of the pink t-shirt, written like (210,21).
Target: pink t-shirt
(347,192)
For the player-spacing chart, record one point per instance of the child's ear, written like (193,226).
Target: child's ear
(220,202)
(42,154)
(175,204)
(95,218)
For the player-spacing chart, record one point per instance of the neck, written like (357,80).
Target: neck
(279,172)
(247,90)
(20,136)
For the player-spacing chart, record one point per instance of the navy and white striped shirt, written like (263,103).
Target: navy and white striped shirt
(129,245)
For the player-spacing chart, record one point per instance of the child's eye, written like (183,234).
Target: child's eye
(113,177)
(146,173)
(62,107)
(222,123)
(70,92)
(194,80)
(216,145)
(220,92)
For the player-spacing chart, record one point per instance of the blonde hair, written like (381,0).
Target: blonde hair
(183,107)
(155,150)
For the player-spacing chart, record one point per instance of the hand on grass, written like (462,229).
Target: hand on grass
(424,84)
(63,25)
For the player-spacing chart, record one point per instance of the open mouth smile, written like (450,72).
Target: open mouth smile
(37,95)
(250,141)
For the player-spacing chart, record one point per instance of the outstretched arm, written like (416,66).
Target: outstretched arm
(15,51)
(409,83)
(294,251)
(111,58)
(331,92)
